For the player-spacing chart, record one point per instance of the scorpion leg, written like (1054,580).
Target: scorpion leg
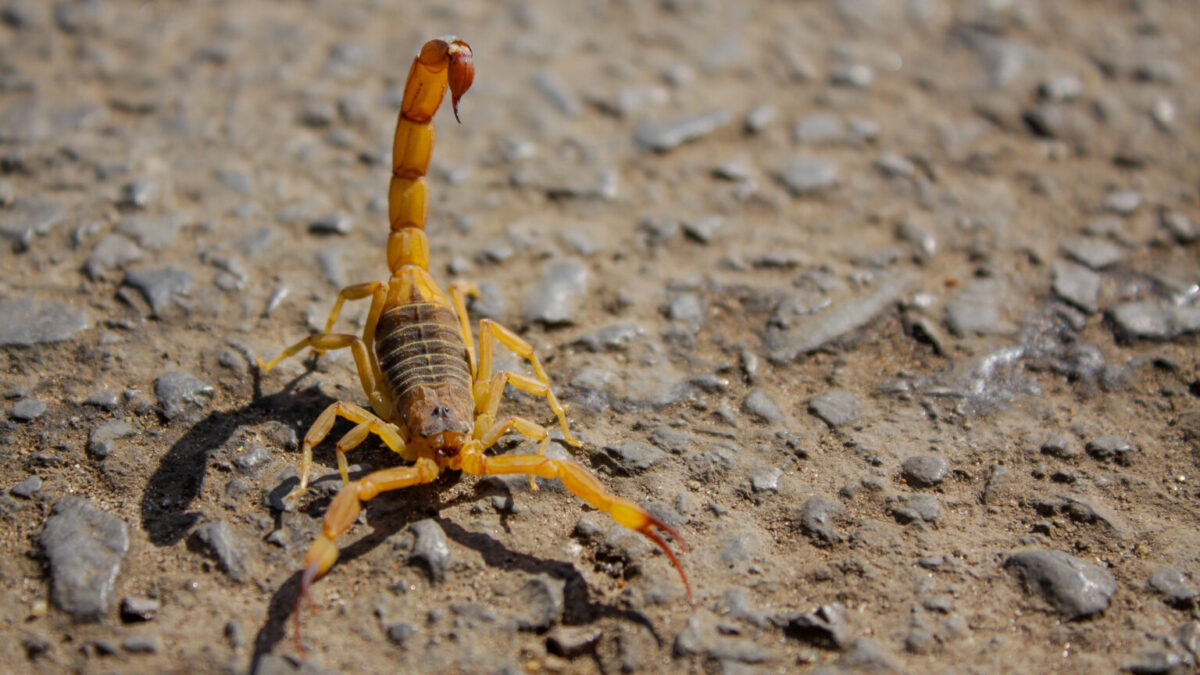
(365,423)
(531,429)
(368,370)
(587,487)
(342,513)
(488,395)
(459,290)
(489,405)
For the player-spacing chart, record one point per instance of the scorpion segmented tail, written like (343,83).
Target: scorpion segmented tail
(442,63)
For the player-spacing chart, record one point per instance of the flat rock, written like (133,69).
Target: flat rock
(816,518)
(919,507)
(540,602)
(809,175)
(1077,285)
(559,294)
(835,407)
(760,405)
(663,136)
(102,439)
(113,251)
(977,309)
(223,545)
(27,409)
(825,628)
(152,232)
(160,286)
(1074,588)
(181,393)
(430,550)
(1149,320)
(26,218)
(924,470)
(34,322)
(837,324)
(85,548)
(631,457)
(1092,252)
(1173,585)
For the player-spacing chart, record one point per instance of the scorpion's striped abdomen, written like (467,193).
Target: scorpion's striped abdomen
(424,361)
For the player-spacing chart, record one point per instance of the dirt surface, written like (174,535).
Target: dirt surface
(890,307)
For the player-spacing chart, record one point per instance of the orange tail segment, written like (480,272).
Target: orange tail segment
(442,63)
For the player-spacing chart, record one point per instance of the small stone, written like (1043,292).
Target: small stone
(1148,320)
(33,322)
(138,609)
(1075,588)
(1059,446)
(540,602)
(616,337)
(400,632)
(112,252)
(1060,88)
(764,479)
(142,644)
(835,407)
(1174,587)
(818,128)
(632,457)
(85,548)
(809,175)
(825,628)
(816,518)
(760,405)
(179,393)
(152,232)
(234,634)
(924,470)
(1180,226)
(27,410)
(24,219)
(895,165)
(1077,285)
(760,117)
(160,286)
(1109,447)
(976,309)
(430,551)
(101,441)
(920,507)
(919,641)
(27,488)
(225,547)
(105,400)
(702,229)
(252,461)
(557,93)
(572,641)
(663,136)
(854,75)
(1095,253)
(1154,662)
(1122,202)
(138,193)
(333,223)
(559,294)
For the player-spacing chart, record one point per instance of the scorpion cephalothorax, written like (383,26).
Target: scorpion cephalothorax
(435,400)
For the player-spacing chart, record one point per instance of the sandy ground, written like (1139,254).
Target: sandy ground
(889,307)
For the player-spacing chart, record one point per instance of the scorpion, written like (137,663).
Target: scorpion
(434,400)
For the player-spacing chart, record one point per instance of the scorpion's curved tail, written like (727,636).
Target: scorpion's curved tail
(443,62)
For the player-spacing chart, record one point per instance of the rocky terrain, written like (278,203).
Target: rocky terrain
(891,308)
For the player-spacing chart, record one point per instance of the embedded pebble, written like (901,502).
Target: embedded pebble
(764,478)
(560,293)
(179,393)
(572,641)
(616,337)
(27,410)
(1109,447)
(816,518)
(24,219)
(223,545)
(1074,588)
(400,632)
(856,75)
(102,439)
(976,309)
(430,550)
(924,470)
(138,609)
(1149,320)
(759,404)
(826,627)
(540,603)
(919,507)
(33,322)
(1122,202)
(27,488)
(895,165)
(1173,585)
(557,93)
(85,548)
(161,286)
(252,461)
(835,407)
(152,232)
(1095,253)
(112,252)
(1062,87)
(809,175)
(142,644)
(333,223)
(702,229)
(105,400)
(138,193)
(663,136)
(1180,226)
(631,457)
(760,117)
(817,129)
(1076,285)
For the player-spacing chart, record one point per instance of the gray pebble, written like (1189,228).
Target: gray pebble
(826,627)
(234,634)
(24,219)
(663,136)
(1060,446)
(616,337)
(760,405)
(702,229)
(105,400)
(27,410)
(252,461)
(1062,87)
(223,545)
(631,457)
(765,478)
(1122,202)
(809,175)
(333,223)
(1109,447)
(1155,662)
(430,551)
(138,609)
(1149,320)
(85,548)
(672,440)
(1095,253)
(977,309)
(835,407)
(572,641)
(1076,285)
(540,602)
(400,632)
(34,322)
(895,165)
(559,294)
(924,470)
(331,267)
(836,324)
(816,518)
(919,641)
(1180,226)
(856,75)
(1075,588)
(160,286)
(27,488)
(920,507)
(142,644)
(557,93)
(179,393)
(112,252)
(818,128)
(1188,635)
(1174,587)
(760,117)
(152,232)
(138,193)
(102,439)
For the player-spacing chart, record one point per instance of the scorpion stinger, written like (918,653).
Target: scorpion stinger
(432,401)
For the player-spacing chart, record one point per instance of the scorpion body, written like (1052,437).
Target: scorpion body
(434,400)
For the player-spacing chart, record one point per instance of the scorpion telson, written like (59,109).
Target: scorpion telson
(435,400)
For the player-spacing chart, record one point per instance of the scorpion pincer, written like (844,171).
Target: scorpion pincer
(434,400)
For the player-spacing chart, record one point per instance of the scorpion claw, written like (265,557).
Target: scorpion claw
(649,530)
